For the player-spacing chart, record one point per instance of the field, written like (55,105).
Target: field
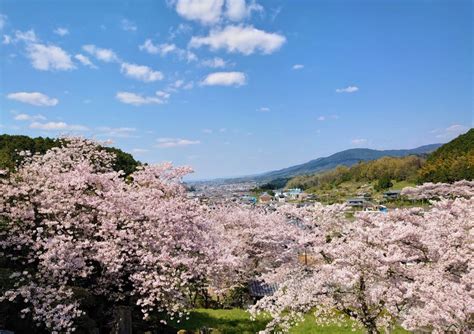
(236,321)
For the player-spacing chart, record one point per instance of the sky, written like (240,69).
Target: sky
(237,87)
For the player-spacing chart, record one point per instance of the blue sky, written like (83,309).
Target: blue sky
(236,87)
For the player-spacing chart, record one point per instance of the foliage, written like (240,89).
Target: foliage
(79,241)
(231,321)
(451,162)
(73,224)
(238,321)
(386,168)
(409,265)
(383,183)
(12,145)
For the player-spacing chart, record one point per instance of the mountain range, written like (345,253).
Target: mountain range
(346,158)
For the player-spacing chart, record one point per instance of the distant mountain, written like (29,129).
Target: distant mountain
(346,158)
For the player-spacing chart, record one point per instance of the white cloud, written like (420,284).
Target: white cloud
(451,131)
(237,10)
(162,49)
(207,131)
(175,142)
(162,94)
(182,28)
(26,117)
(264,109)
(298,67)
(34,98)
(188,85)
(349,89)
(321,118)
(128,25)
(210,12)
(6,39)
(215,62)
(61,31)
(122,132)
(456,128)
(178,83)
(26,36)
(358,141)
(225,79)
(49,57)
(57,126)
(206,12)
(140,72)
(165,48)
(243,39)
(106,55)
(84,60)
(3,21)
(136,99)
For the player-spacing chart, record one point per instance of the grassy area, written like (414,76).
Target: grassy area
(236,321)
(226,321)
(401,184)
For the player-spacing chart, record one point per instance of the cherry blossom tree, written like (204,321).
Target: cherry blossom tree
(463,188)
(253,240)
(69,221)
(409,266)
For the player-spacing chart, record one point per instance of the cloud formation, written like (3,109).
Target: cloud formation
(121,132)
(225,79)
(49,57)
(106,55)
(26,117)
(165,49)
(240,39)
(84,60)
(349,89)
(175,142)
(237,10)
(57,126)
(298,67)
(136,99)
(128,25)
(61,31)
(211,12)
(215,62)
(205,12)
(359,141)
(33,98)
(450,132)
(141,72)
(3,21)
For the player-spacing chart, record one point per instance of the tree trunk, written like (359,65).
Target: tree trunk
(122,321)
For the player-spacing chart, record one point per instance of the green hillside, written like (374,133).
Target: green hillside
(11,145)
(381,173)
(451,162)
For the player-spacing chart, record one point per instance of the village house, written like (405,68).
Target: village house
(265,198)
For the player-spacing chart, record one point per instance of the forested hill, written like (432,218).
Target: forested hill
(11,145)
(452,161)
(344,158)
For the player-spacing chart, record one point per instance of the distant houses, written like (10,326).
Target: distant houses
(358,202)
(265,198)
(391,195)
